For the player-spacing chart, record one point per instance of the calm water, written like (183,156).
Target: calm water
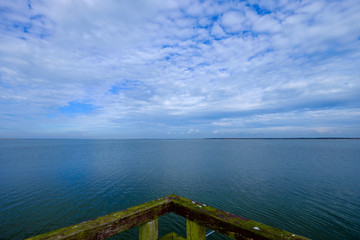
(309,187)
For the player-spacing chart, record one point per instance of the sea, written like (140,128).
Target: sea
(310,187)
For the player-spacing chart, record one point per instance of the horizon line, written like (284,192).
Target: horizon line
(205,138)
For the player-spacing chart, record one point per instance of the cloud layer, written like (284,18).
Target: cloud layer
(164,69)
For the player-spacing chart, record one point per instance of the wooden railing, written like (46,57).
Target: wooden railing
(198,218)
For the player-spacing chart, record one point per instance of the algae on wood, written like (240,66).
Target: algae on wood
(112,224)
(199,217)
(226,223)
(194,231)
(149,231)
(172,236)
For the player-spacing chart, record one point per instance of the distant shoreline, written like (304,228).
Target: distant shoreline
(244,138)
(290,138)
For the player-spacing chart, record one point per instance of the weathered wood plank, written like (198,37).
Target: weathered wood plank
(149,230)
(195,231)
(235,227)
(114,223)
(172,236)
(229,224)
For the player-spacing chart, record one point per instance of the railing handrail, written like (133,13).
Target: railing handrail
(226,223)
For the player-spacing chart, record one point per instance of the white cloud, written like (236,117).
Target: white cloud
(191,131)
(233,21)
(266,23)
(310,122)
(217,30)
(181,63)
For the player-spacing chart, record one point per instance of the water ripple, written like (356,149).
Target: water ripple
(306,187)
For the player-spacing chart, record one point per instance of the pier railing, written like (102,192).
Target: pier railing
(198,217)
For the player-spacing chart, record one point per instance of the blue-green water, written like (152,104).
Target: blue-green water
(309,187)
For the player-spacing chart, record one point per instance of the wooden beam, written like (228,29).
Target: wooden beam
(195,231)
(149,230)
(229,224)
(172,236)
(226,223)
(114,223)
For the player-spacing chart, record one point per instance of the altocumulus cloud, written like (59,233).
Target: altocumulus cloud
(159,69)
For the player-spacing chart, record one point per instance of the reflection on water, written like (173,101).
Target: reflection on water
(309,187)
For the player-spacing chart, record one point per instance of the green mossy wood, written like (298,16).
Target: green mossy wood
(229,224)
(149,231)
(195,231)
(172,236)
(114,223)
(197,214)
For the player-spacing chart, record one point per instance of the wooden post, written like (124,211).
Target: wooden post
(194,231)
(149,230)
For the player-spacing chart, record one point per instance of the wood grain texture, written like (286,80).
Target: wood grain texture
(203,216)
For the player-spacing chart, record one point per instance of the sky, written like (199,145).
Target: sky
(179,69)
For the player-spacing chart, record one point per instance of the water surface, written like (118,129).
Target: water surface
(309,187)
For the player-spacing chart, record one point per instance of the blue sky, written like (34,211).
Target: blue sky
(179,69)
